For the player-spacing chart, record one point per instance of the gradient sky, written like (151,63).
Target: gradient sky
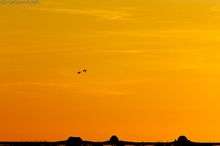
(153,70)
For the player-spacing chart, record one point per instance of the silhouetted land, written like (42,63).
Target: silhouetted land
(113,141)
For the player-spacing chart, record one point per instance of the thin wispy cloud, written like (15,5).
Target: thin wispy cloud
(120,51)
(110,92)
(98,13)
(169,34)
(42,84)
(215,9)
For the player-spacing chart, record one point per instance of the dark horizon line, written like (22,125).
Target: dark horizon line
(114,141)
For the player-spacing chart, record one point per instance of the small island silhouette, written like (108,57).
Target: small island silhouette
(113,141)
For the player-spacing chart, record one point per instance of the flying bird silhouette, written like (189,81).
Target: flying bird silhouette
(78,72)
(84,70)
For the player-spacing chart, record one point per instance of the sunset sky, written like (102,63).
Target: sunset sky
(153,70)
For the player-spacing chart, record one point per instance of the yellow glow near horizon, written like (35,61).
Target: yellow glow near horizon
(152,70)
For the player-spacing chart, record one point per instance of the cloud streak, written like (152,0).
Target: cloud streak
(36,84)
(98,13)
(120,51)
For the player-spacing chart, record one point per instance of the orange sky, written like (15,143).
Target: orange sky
(153,70)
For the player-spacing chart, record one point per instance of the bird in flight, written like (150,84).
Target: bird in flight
(79,72)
